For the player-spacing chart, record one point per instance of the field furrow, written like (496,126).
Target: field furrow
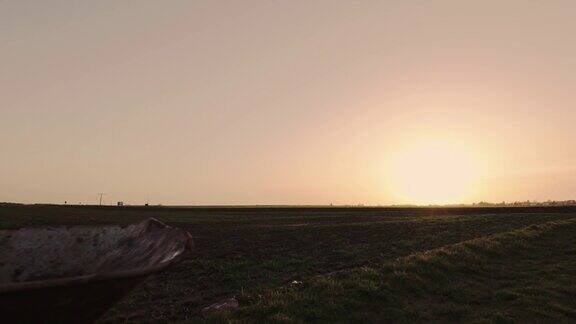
(525,275)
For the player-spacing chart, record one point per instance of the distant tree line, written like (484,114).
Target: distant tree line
(526,203)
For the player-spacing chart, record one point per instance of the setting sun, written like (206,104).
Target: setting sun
(433,173)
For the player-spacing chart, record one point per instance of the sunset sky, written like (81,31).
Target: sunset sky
(287,102)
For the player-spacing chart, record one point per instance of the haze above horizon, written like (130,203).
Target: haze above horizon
(287,103)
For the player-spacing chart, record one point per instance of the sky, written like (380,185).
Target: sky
(287,102)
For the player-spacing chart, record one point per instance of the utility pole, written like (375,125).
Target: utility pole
(101,194)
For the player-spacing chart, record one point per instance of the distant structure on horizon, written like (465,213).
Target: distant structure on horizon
(101,194)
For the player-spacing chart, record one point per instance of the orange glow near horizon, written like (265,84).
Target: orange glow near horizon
(434,172)
(232,103)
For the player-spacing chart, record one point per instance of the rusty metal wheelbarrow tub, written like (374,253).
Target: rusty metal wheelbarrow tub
(75,274)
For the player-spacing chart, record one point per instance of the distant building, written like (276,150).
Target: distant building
(120,203)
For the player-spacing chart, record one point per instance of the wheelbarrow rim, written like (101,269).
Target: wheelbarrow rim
(95,277)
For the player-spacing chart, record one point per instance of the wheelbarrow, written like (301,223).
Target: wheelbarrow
(75,274)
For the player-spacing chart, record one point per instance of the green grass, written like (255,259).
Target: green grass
(526,275)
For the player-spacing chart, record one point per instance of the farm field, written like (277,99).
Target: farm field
(355,264)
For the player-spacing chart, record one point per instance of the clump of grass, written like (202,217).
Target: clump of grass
(491,279)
